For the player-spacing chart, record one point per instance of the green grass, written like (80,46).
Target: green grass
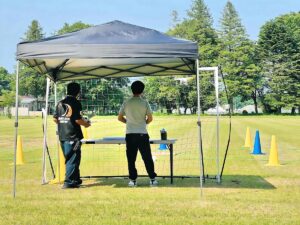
(250,193)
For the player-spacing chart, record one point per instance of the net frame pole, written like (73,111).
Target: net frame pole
(16,130)
(216,76)
(199,127)
(216,81)
(44,168)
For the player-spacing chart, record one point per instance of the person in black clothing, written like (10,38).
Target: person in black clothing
(68,118)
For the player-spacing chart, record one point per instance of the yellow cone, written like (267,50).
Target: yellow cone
(273,158)
(248,139)
(20,157)
(84,132)
(61,169)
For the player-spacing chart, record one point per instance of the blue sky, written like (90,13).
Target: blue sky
(16,16)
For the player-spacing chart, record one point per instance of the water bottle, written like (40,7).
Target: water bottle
(163,134)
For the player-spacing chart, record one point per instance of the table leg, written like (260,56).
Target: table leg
(171,162)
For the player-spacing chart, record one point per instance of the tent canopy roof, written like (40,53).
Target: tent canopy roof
(114,49)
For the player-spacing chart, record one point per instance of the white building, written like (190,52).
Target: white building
(213,111)
(248,109)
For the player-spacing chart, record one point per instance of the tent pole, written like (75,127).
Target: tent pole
(199,128)
(44,178)
(216,75)
(57,139)
(16,129)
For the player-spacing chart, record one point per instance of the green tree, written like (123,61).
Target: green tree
(252,80)
(237,57)
(34,32)
(198,27)
(184,100)
(163,91)
(8,98)
(5,79)
(188,93)
(279,46)
(174,18)
(31,82)
(67,28)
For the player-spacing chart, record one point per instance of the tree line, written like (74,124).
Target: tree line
(266,71)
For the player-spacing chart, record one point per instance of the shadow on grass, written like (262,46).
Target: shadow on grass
(228,181)
(241,181)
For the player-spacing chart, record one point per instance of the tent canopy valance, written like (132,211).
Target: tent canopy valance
(114,49)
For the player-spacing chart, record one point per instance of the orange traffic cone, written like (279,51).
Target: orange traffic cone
(61,169)
(273,158)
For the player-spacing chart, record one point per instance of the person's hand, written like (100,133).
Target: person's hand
(87,124)
(87,121)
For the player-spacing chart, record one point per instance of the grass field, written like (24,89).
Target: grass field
(250,192)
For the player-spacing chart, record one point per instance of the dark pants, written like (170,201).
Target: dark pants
(135,142)
(72,153)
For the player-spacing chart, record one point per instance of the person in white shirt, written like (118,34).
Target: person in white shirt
(136,114)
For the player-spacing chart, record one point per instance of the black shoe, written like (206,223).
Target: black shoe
(79,181)
(65,186)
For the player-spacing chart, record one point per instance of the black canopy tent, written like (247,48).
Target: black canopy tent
(114,49)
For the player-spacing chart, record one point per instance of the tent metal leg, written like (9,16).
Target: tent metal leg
(199,128)
(44,172)
(16,130)
(57,138)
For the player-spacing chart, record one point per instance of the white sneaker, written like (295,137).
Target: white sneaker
(153,182)
(132,183)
